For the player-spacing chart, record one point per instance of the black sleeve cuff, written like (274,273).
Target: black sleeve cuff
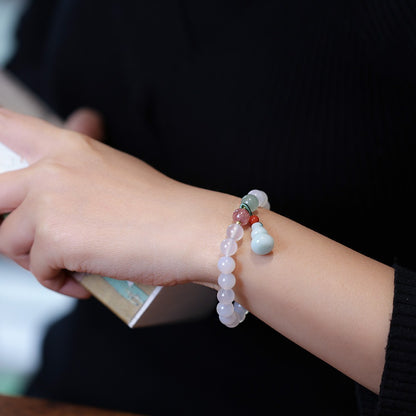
(398,386)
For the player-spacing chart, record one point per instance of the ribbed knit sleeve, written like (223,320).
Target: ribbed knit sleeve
(398,387)
(389,30)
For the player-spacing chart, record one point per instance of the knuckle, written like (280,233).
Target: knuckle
(77,143)
(51,235)
(78,150)
(48,175)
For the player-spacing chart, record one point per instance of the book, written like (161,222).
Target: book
(135,304)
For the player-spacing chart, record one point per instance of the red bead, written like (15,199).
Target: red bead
(241,215)
(253,219)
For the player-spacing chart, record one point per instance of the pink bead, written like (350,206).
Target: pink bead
(241,215)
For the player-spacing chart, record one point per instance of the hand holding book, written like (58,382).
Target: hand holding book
(82,206)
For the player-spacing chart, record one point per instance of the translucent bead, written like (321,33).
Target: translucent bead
(241,311)
(251,200)
(226,281)
(262,243)
(226,264)
(267,205)
(228,247)
(260,195)
(225,296)
(225,309)
(230,321)
(235,231)
(241,215)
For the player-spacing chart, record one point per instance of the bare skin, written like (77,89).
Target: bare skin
(82,206)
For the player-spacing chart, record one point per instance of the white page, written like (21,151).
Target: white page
(9,160)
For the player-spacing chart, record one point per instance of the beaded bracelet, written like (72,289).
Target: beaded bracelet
(230,312)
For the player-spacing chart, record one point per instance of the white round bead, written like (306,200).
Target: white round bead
(226,264)
(230,321)
(225,309)
(225,296)
(241,311)
(235,231)
(261,196)
(228,247)
(226,281)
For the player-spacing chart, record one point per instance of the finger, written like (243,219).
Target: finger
(44,266)
(16,236)
(65,284)
(28,136)
(86,121)
(13,189)
(23,261)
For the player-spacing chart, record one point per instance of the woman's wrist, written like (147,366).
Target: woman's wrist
(207,231)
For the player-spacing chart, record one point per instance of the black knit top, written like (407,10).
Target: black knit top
(312,101)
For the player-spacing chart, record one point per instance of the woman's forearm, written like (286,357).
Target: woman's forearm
(329,299)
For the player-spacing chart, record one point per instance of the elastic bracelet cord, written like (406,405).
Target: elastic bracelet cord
(230,312)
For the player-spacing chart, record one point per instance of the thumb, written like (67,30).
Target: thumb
(86,121)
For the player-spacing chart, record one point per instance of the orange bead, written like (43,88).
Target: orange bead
(253,219)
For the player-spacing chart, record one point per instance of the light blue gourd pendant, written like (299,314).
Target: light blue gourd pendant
(262,242)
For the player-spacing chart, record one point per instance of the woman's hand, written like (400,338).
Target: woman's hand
(82,206)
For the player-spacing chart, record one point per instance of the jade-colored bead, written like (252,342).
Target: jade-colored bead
(262,243)
(251,201)
(256,225)
(257,228)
